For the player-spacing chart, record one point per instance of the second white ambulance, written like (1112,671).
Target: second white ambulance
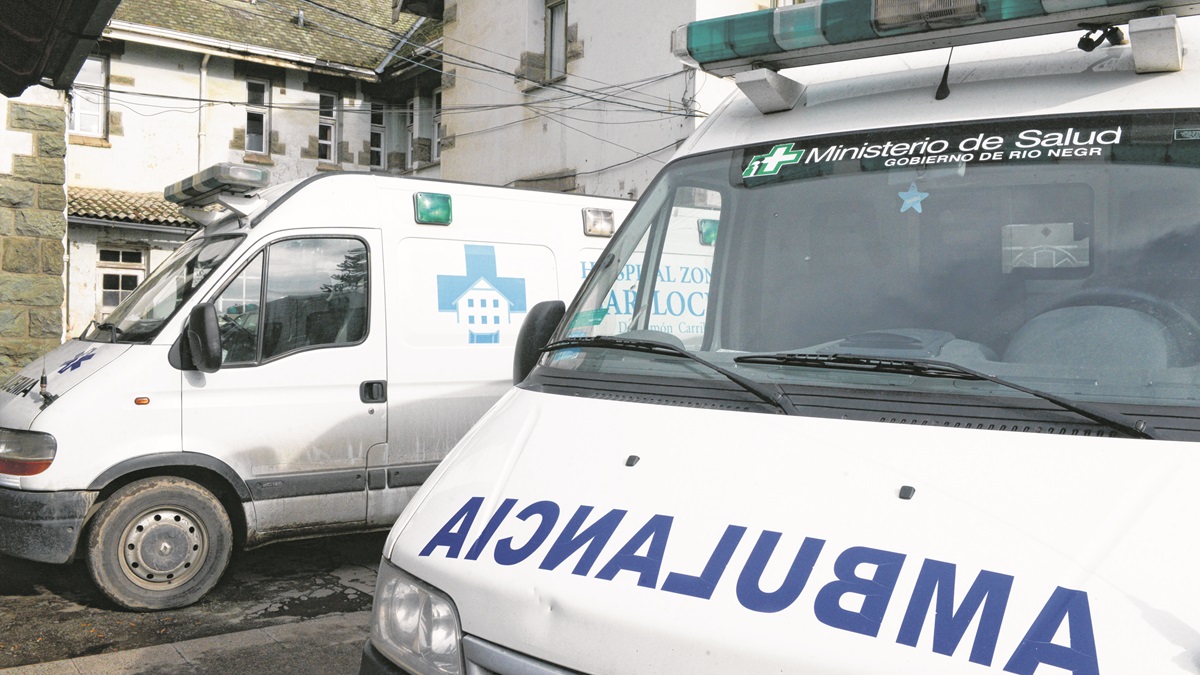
(296,368)
(895,368)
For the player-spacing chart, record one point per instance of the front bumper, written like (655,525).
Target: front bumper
(42,526)
(374,663)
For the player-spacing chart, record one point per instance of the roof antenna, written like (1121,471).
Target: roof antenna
(943,89)
(47,397)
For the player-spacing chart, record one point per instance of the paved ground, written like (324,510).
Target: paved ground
(52,613)
(329,644)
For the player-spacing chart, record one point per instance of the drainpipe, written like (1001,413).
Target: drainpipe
(399,45)
(202,131)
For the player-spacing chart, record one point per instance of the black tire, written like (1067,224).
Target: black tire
(159,543)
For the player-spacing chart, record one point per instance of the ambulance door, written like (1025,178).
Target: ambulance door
(300,397)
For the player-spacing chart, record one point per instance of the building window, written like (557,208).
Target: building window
(556,39)
(89,105)
(327,127)
(410,133)
(120,273)
(258,116)
(378,136)
(435,149)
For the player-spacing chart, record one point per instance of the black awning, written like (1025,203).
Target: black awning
(47,40)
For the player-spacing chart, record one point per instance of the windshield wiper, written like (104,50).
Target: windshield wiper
(933,368)
(776,398)
(113,331)
(112,328)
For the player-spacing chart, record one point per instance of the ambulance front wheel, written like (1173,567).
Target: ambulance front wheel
(159,543)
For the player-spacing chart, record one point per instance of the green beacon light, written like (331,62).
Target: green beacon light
(707,228)
(432,208)
(822,31)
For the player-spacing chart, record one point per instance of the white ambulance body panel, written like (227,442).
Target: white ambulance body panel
(348,368)
(922,493)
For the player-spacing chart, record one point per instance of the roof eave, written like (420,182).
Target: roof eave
(164,37)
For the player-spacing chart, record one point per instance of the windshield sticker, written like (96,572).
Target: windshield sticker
(1120,138)
(592,317)
(76,361)
(770,163)
(912,198)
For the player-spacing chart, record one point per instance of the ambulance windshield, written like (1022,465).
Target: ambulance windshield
(1062,253)
(140,317)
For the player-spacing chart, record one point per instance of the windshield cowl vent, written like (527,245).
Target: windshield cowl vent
(1024,427)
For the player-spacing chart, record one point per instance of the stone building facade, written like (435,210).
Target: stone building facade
(33,226)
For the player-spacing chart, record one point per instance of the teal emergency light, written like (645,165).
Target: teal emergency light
(432,208)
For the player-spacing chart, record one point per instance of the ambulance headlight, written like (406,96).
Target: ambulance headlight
(26,453)
(415,625)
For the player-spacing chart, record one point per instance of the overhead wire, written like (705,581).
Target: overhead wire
(540,179)
(540,107)
(470,64)
(461,60)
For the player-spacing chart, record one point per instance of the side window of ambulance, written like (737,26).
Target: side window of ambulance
(237,312)
(299,294)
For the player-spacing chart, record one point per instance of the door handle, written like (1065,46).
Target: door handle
(373,391)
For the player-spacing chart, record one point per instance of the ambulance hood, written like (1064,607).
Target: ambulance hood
(66,366)
(612,537)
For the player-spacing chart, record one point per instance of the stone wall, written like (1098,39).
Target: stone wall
(33,226)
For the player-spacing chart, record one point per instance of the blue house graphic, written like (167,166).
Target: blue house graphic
(481,299)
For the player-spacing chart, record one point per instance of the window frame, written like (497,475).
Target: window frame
(327,149)
(262,255)
(101,106)
(435,103)
(377,108)
(263,110)
(553,49)
(121,268)
(410,133)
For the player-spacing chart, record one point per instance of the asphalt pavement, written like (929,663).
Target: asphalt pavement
(327,644)
(295,607)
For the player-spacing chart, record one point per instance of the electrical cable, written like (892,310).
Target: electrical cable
(593,171)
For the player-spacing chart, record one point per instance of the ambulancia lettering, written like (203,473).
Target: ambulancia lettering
(640,559)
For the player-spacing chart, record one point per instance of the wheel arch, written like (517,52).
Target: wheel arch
(209,472)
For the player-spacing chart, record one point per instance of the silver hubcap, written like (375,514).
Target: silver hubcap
(163,547)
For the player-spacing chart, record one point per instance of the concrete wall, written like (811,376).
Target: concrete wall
(33,226)
(620,100)
(154,141)
(83,277)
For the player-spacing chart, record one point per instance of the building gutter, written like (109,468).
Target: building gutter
(188,230)
(171,39)
(202,122)
(399,45)
(413,61)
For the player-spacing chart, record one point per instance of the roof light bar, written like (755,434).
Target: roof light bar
(205,187)
(821,31)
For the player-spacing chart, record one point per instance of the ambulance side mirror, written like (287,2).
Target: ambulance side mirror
(535,333)
(203,336)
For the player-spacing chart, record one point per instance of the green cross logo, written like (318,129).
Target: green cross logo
(770,163)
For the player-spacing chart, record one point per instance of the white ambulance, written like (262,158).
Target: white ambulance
(926,405)
(296,368)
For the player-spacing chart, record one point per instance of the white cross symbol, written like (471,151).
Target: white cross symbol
(779,156)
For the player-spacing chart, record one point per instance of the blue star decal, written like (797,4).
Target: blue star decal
(77,361)
(912,198)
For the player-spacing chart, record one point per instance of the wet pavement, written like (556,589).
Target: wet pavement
(52,613)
